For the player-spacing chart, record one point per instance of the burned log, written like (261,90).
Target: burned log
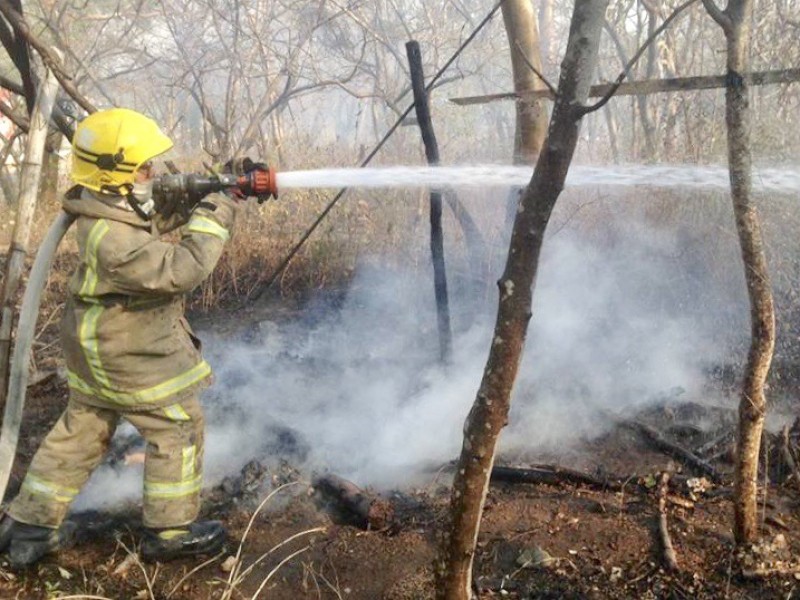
(680,453)
(352,504)
(552,475)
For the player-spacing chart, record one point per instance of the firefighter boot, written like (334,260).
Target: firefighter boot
(27,544)
(202,537)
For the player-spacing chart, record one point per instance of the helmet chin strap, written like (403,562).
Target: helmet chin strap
(126,191)
(137,208)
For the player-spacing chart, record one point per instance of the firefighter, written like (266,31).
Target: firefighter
(129,351)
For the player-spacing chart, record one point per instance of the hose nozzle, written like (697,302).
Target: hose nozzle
(261,183)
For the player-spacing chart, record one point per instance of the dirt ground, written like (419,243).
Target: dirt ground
(560,540)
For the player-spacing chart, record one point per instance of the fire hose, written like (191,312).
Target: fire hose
(20,359)
(171,193)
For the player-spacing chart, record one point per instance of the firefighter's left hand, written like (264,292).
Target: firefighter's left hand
(259,180)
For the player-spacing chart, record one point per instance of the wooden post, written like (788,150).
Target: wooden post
(26,206)
(437,238)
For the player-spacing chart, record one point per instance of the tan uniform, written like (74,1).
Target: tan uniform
(130,353)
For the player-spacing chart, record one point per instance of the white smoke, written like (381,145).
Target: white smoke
(354,384)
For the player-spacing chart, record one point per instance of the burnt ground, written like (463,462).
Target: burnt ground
(555,540)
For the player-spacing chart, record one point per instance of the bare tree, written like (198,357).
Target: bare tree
(489,412)
(735,21)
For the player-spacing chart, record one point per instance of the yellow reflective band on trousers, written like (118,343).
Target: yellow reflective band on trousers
(87,334)
(175,412)
(187,466)
(209,226)
(153,394)
(96,234)
(59,493)
(154,490)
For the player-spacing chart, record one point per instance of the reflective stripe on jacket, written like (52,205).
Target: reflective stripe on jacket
(124,337)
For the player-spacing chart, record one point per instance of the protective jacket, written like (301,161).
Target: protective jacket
(125,339)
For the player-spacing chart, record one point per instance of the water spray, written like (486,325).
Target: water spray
(487,176)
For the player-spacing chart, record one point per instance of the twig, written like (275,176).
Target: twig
(275,570)
(81,597)
(192,572)
(147,581)
(291,538)
(670,559)
(235,571)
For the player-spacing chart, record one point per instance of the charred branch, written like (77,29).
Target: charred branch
(552,475)
(680,453)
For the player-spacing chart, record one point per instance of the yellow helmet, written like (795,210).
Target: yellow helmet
(110,145)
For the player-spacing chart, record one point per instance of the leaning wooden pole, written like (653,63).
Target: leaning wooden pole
(489,413)
(26,207)
(437,236)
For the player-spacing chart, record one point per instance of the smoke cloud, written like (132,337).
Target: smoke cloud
(353,385)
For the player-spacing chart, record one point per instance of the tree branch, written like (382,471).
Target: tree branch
(604,100)
(11,86)
(535,70)
(718,15)
(50,59)
(22,122)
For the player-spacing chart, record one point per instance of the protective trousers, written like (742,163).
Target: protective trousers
(80,439)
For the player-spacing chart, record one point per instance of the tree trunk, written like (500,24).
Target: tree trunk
(547,37)
(523,40)
(531,123)
(26,205)
(489,412)
(648,129)
(735,21)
